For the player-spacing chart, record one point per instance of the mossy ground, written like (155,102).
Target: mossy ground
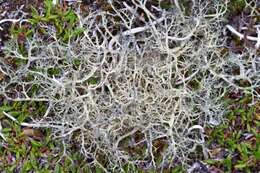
(234,146)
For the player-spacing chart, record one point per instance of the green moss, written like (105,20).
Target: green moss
(238,138)
(76,62)
(65,22)
(93,81)
(239,4)
(236,7)
(54,71)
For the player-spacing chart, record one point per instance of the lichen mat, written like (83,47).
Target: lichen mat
(162,79)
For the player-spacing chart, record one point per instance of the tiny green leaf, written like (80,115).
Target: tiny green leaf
(58,169)
(36,143)
(99,170)
(211,161)
(5,108)
(77,32)
(240,166)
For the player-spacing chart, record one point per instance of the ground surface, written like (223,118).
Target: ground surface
(234,146)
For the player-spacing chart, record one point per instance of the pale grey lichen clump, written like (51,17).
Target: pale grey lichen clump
(165,79)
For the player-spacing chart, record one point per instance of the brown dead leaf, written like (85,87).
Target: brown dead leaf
(257,117)
(215,152)
(33,133)
(44,150)
(214,169)
(257,112)
(2,76)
